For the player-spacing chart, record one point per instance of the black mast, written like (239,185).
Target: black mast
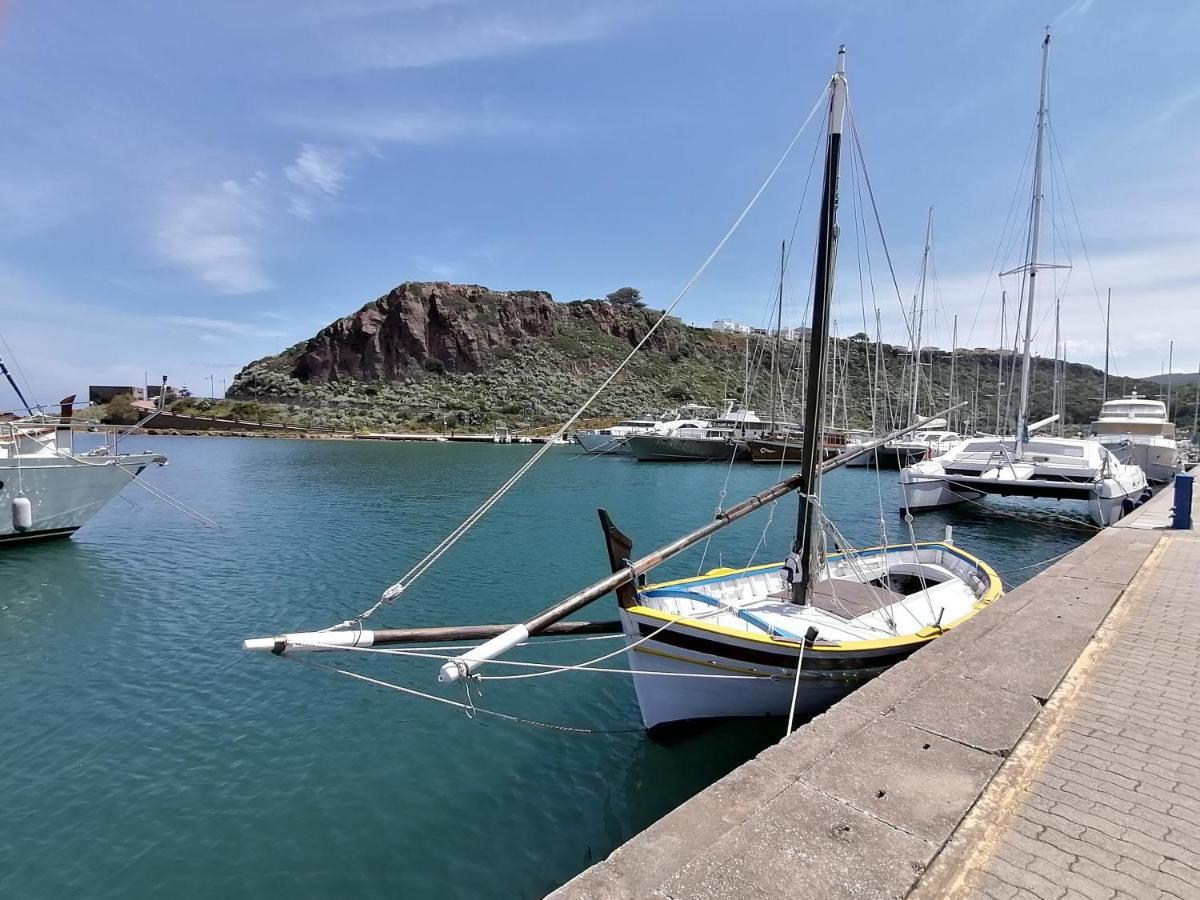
(809,543)
(4,371)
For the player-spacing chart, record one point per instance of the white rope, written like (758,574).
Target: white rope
(469,708)
(795,691)
(544,668)
(451,539)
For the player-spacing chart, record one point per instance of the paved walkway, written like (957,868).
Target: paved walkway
(1104,802)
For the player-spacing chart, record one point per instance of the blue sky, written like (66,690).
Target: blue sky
(186,186)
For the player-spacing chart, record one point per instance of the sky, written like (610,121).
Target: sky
(186,187)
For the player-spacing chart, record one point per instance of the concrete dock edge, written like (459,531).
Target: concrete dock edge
(859,802)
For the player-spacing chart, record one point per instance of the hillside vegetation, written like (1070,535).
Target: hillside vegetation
(428,354)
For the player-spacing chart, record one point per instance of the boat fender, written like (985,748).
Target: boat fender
(1127,506)
(22,513)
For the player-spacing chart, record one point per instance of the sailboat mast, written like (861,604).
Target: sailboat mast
(953,359)
(876,387)
(1107,321)
(778,332)
(1031,263)
(1196,411)
(809,543)
(1057,370)
(916,385)
(1003,350)
(1170,366)
(13,383)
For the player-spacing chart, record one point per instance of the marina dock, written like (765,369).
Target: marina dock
(1049,747)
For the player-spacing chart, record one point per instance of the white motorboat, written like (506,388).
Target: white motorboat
(50,489)
(723,438)
(611,440)
(1136,431)
(923,444)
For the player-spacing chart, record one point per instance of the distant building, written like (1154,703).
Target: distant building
(103,393)
(729,326)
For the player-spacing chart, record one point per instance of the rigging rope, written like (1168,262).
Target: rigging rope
(451,539)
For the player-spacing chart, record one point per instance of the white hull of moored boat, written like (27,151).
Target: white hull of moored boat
(1159,459)
(603,444)
(63,492)
(668,689)
(925,486)
(726,645)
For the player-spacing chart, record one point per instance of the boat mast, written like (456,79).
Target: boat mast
(1107,321)
(1003,350)
(1057,370)
(875,387)
(1196,410)
(912,410)
(1170,366)
(778,330)
(12,381)
(809,541)
(953,360)
(1031,263)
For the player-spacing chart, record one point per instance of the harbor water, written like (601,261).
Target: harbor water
(143,753)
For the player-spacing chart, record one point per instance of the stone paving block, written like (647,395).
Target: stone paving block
(979,715)
(1028,656)
(805,844)
(1079,601)
(909,778)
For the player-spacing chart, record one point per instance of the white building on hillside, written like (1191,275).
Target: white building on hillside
(728,326)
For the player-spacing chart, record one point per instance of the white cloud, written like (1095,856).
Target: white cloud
(428,34)
(214,233)
(317,170)
(437,268)
(404,126)
(1077,8)
(319,174)
(220,327)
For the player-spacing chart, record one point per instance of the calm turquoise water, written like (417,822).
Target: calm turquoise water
(144,754)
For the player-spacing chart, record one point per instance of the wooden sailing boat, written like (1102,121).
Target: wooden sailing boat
(787,638)
(805,632)
(1021,465)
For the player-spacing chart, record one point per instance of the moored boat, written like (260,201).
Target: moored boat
(1136,430)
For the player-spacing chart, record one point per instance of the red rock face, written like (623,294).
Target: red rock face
(460,325)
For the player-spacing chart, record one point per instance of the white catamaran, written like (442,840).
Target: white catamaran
(787,638)
(1023,465)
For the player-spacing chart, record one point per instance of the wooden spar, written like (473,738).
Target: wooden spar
(437,635)
(466,664)
(548,621)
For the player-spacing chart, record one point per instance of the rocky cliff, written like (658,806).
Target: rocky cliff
(431,354)
(464,328)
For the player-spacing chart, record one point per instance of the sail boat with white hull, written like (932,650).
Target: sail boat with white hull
(1022,465)
(785,638)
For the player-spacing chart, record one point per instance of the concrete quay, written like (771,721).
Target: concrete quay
(1048,748)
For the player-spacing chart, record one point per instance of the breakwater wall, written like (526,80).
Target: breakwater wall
(859,801)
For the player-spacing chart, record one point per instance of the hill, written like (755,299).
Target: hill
(432,352)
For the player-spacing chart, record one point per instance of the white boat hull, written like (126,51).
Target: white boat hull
(1107,499)
(667,694)
(63,493)
(1160,460)
(603,444)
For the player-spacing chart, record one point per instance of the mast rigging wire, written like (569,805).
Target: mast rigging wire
(451,539)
